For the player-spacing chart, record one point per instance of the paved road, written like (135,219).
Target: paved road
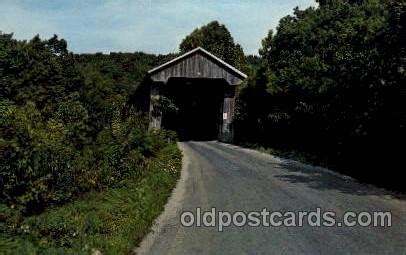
(230,178)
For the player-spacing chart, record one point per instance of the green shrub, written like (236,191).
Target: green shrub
(112,221)
(43,166)
(50,149)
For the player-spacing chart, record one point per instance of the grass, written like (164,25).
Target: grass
(113,221)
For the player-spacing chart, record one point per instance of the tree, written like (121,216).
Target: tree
(332,76)
(324,3)
(215,38)
(63,126)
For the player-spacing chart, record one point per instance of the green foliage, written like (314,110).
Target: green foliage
(112,221)
(109,80)
(329,83)
(163,105)
(215,38)
(64,132)
(330,3)
(40,70)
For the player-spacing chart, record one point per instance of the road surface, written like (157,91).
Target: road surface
(232,179)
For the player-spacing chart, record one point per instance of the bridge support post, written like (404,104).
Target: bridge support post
(226,132)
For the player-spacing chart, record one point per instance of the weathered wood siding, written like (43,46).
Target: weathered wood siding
(226,132)
(196,66)
(199,63)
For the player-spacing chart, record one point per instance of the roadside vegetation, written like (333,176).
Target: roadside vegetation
(76,158)
(326,89)
(111,221)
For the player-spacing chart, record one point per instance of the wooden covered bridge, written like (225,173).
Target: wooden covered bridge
(202,87)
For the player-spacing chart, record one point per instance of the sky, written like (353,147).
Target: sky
(152,26)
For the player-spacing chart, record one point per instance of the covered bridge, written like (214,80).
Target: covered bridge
(201,88)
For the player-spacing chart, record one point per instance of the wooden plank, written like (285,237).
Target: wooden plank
(196,66)
(226,132)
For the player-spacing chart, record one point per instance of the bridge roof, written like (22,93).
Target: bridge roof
(197,63)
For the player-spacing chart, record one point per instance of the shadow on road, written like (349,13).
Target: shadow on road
(323,180)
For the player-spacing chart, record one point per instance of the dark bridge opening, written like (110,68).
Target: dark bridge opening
(202,87)
(199,107)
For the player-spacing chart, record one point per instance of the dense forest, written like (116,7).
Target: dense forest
(325,88)
(67,130)
(61,117)
(328,87)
